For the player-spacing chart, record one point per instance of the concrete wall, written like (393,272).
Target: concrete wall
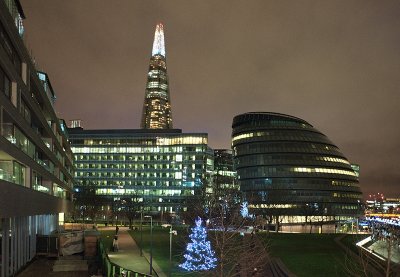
(16,200)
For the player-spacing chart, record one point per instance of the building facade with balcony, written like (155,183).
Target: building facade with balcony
(36,168)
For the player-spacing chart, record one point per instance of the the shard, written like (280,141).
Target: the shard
(157,104)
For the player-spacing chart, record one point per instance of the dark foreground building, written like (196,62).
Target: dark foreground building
(291,172)
(35,157)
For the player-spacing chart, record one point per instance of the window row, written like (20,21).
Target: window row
(140,183)
(249,185)
(263,171)
(274,135)
(255,148)
(145,192)
(126,159)
(264,159)
(105,174)
(133,167)
(118,150)
(14,135)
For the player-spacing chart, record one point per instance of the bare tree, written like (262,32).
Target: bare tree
(240,252)
(367,261)
(87,203)
(130,207)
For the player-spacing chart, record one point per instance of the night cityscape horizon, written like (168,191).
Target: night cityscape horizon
(328,80)
(240,140)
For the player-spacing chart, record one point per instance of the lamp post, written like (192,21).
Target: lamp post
(151,243)
(170,246)
(170,250)
(141,232)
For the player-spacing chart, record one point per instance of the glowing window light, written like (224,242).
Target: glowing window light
(324,170)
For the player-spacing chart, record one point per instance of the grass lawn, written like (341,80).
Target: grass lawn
(350,241)
(303,254)
(107,237)
(161,247)
(308,254)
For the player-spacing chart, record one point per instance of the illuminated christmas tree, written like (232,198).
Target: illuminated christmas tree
(199,256)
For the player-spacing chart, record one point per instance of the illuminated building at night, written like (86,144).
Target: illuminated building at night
(157,104)
(224,177)
(288,168)
(36,171)
(378,203)
(159,169)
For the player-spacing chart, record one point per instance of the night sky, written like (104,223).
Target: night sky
(335,64)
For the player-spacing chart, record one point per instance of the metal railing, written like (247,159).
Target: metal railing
(111,269)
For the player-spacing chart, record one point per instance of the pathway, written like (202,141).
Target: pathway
(128,255)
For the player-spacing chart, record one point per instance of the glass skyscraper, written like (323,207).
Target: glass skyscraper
(157,104)
(287,167)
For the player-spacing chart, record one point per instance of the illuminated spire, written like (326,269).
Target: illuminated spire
(158,44)
(157,112)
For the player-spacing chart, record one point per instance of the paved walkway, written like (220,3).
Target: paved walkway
(128,255)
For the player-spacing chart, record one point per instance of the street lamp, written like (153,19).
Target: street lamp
(141,232)
(170,246)
(151,243)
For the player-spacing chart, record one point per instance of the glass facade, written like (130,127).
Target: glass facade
(36,166)
(29,125)
(285,166)
(157,104)
(224,178)
(160,169)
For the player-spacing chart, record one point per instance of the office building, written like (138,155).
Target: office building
(157,112)
(36,170)
(291,171)
(224,177)
(157,169)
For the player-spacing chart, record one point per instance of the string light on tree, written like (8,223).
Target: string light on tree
(244,210)
(199,256)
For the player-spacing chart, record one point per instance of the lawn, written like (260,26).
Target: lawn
(303,254)
(350,241)
(161,247)
(309,254)
(107,237)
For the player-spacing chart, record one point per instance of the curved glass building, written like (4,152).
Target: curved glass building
(288,168)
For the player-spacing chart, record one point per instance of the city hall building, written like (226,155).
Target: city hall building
(36,170)
(292,173)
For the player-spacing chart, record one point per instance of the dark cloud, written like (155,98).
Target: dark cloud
(335,64)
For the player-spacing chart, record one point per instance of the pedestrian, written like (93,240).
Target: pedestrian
(115,243)
(116,229)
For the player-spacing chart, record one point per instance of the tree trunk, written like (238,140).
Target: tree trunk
(389,245)
(277,223)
